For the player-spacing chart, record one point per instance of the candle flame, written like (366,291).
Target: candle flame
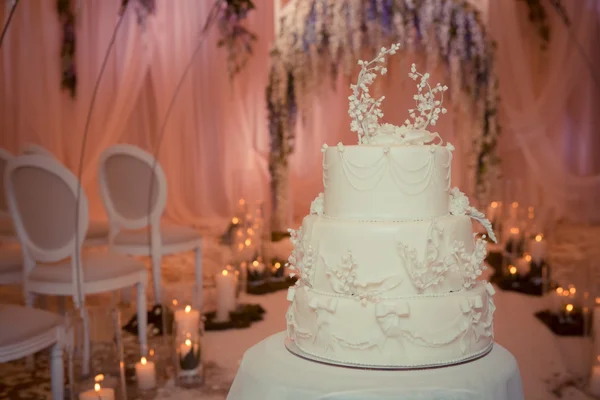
(512,269)
(514,231)
(242,202)
(96,387)
(151,352)
(515,204)
(559,290)
(527,258)
(99,378)
(224,272)
(277,265)
(188,342)
(188,309)
(235,220)
(250,231)
(248,242)
(175,302)
(539,238)
(494,204)
(255,263)
(144,361)
(569,307)
(597,300)
(241,246)
(572,290)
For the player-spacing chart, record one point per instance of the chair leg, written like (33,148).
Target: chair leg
(62,304)
(199,279)
(57,371)
(142,318)
(156,265)
(30,302)
(86,341)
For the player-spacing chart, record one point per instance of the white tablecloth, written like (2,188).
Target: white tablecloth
(270,372)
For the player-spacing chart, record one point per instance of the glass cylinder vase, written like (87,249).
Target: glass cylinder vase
(188,355)
(96,367)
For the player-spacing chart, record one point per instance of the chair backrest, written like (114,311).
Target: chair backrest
(42,198)
(133,187)
(35,149)
(5,157)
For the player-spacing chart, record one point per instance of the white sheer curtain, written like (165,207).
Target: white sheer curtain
(216,143)
(551,136)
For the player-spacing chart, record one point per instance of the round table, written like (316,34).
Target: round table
(270,372)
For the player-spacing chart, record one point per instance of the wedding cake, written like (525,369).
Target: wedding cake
(387,261)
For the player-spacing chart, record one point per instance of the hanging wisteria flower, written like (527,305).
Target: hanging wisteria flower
(364,110)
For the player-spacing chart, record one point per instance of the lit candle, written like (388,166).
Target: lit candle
(492,211)
(594,384)
(235,220)
(189,356)
(187,320)
(523,265)
(145,372)
(514,210)
(568,309)
(257,267)
(513,271)
(226,283)
(538,248)
(98,393)
(558,300)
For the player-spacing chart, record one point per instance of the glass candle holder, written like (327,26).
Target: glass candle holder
(188,360)
(96,367)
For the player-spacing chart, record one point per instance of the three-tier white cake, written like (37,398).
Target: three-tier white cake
(387,260)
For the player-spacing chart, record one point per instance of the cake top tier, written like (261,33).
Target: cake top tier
(365,110)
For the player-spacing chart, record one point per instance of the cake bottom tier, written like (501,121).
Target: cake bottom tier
(424,330)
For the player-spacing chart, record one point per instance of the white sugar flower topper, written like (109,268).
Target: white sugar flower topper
(365,111)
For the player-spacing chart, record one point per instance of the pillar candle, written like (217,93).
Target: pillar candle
(98,393)
(187,320)
(226,283)
(493,210)
(594,385)
(145,372)
(538,248)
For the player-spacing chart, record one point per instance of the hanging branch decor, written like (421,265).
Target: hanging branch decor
(321,38)
(143,9)
(234,35)
(67,49)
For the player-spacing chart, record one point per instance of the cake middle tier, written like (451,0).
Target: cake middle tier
(379,182)
(390,258)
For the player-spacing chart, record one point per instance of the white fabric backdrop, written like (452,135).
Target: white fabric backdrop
(216,140)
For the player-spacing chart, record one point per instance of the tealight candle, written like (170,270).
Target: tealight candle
(512,270)
(187,320)
(226,283)
(568,309)
(145,372)
(257,267)
(98,393)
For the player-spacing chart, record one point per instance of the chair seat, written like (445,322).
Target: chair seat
(11,265)
(182,238)
(31,330)
(97,267)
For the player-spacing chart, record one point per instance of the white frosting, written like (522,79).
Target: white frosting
(410,331)
(387,261)
(386,182)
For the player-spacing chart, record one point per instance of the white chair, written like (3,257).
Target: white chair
(26,331)
(133,188)
(11,266)
(7,230)
(97,233)
(42,198)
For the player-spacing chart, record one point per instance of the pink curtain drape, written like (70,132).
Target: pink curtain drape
(215,145)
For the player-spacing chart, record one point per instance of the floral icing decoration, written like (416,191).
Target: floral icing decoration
(317,206)
(459,205)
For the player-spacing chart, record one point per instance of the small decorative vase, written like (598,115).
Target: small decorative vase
(189,369)
(96,367)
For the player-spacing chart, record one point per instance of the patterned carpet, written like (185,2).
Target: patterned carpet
(19,382)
